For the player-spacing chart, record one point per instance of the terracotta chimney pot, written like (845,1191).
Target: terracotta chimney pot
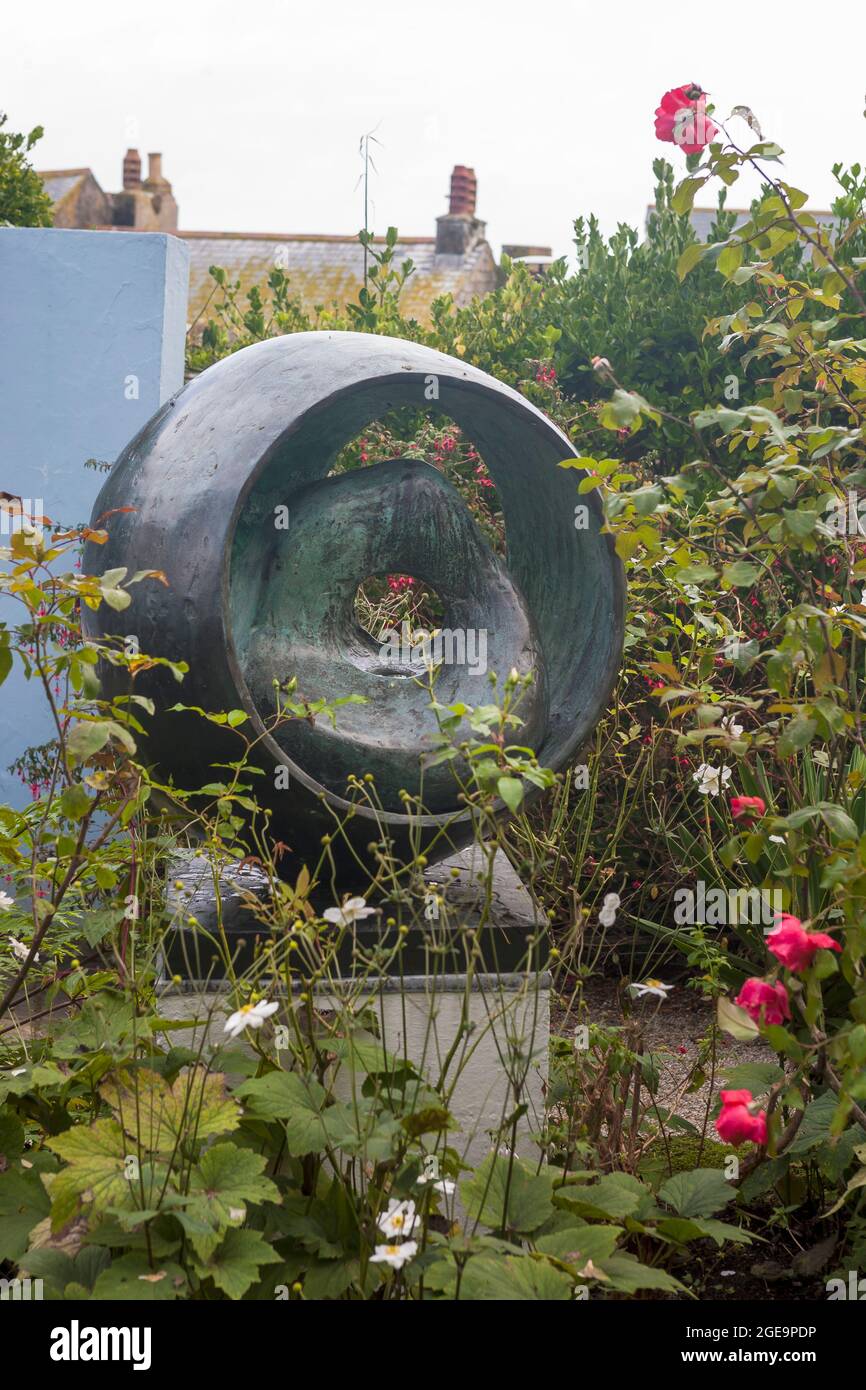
(464,187)
(132,169)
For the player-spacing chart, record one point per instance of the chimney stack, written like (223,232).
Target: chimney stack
(458,230)
(132,169)
(154,170)
(464,188)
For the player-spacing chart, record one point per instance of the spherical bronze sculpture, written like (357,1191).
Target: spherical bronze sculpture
(230,496)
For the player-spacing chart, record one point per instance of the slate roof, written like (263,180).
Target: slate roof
(328,269)
(59,182)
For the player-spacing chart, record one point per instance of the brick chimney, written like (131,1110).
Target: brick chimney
(458,230)
(132,169)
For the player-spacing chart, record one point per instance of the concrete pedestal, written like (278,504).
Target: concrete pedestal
(500,1062)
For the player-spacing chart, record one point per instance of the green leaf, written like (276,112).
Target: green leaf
(627,1275)
(95,1156)
(689,259)
(529,1194)
(730,259)
(75,802)
(131,1278)
(683,197)
(225,1180)
(517,1278)
(162,1115)
(86,738)
(576,1244)
(96,925)
(839,822)
(815,1126)
(510,790)
(695,574)
(702,1192)
(742,574)
(735,1021)
(11,1139)
(329,1279)
(234,1265)
(683,1229)
(796,735)
(23,1204)
(297,1101)
(615,1195)
(757,1077)
(800,521)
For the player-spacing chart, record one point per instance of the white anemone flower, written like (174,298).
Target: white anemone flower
(730,726)
(653,987)
(711,780)
(353,910)
(607,914)
(6,902)
(21,950)
(777,839)
(395,1255)
(430,1173)
(399,1220)
(250,1016)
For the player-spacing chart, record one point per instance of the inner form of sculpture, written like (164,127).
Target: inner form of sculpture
(230,496)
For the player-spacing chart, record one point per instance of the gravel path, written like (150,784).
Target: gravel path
(673,1031)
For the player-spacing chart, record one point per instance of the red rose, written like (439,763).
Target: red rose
(681,119)
(736,1123)
(747,807)
(764,1003)
(794,946)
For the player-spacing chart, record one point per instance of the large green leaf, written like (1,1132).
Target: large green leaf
(225,1179)
(507,1194)
(615,1195)
(234,1265)
(577,1244)
(159,1116)
(815,1124)
(514,1278)
(23,1204)
(626,1274)
(131,1278)
(683,1229)
(96,1164)
(702,1192)
(296,1100)
(756,1077)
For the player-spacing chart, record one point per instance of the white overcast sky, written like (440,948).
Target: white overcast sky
(258,105)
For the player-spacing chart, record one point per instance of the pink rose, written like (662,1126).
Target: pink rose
(763,1002)
(737,1124)
(794,946)
(747,807)
(681,119)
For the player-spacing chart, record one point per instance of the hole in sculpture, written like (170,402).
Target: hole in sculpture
(438,440)
(401,603)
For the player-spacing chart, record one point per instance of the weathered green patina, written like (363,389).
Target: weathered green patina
(264,553)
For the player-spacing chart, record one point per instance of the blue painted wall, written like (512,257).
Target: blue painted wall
(92,328)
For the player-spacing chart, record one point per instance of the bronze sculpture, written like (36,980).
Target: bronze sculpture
(263,552)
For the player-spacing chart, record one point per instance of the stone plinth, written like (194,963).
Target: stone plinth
(505,1003)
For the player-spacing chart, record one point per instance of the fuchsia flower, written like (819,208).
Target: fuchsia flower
(738,1121)
(763,1002)
(747,807)
(681,119)
(794,946)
